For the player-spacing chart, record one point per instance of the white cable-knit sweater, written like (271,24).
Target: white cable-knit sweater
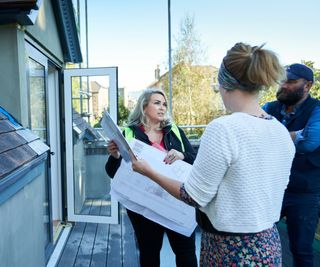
(241,171)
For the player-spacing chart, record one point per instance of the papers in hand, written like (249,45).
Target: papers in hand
(140,194)
(113,133)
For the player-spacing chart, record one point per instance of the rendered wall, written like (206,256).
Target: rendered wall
(22,226)
(13,89)
(45,30)
(13,56)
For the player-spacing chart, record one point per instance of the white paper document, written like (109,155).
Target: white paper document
(114,133)
(140,194)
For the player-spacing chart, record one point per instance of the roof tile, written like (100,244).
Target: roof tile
(6,126)
(10,140)
(18,146)
(13,159)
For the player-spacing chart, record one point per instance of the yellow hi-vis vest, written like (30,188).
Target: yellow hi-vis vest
(129,135)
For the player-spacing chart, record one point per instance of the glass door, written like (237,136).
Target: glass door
(87,93)
(55,121)
(37,73)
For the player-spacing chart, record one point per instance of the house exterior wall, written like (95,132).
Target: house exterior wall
(13,73)
(45,31)
(22,230)
(100,99)
(44,34)
(103,100)
(22,225)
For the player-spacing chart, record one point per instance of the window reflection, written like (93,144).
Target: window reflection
(37,99)
(91,188)
(38,124)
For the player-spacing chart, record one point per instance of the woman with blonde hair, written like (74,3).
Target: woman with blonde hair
(149,122)
(242,167)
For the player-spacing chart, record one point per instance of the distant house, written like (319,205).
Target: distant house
(99,98)
(202,88)
(161,79)
(132,98)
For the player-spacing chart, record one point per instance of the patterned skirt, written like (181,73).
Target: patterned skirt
(258,249)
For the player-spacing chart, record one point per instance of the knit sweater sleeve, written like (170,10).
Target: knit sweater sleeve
(217,151)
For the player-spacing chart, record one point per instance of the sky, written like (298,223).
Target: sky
(133,34)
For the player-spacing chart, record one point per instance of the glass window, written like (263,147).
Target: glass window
(37,96)
(38,124)
(91,188)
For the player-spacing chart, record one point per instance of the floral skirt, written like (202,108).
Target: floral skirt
(258,249)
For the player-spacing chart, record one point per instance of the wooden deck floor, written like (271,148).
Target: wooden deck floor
(91,244)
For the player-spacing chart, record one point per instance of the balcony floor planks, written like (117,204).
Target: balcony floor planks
(91,244)
(100,245)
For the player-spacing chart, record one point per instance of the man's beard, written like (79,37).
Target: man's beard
(290,98)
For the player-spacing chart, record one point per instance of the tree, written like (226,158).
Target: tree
(315,90)
(194,102)
(123,112)
(267,95)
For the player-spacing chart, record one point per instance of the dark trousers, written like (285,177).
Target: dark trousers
(302,215)
(150,237)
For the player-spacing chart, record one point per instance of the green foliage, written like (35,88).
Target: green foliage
(76,93)
(123,112)
(194,102)
(315,90)
(189,50)
(267,95)
(97,121)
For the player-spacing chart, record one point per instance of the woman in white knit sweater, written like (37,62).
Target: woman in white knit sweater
(242,167)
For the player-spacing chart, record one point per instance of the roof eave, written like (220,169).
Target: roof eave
(68,32)
(22,12)
(25,13)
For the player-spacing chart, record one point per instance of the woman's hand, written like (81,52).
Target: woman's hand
(141,166)
(113,149)
(172,156)
(168,184)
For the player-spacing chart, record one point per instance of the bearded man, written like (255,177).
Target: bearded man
(300,113)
